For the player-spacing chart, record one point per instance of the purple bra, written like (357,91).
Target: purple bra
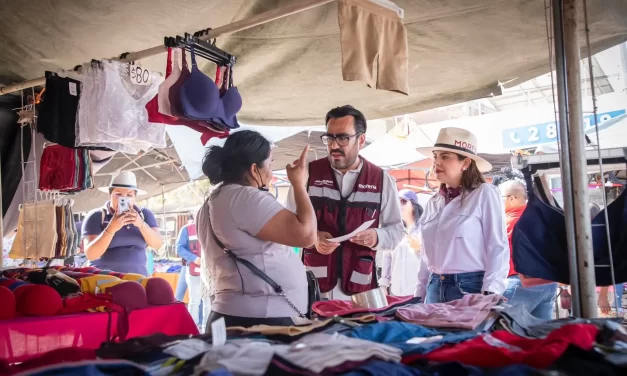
(200,98)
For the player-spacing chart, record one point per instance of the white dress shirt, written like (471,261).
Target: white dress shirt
(465,236)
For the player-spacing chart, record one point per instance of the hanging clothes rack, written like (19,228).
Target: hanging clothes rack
(231,28)
(616,157)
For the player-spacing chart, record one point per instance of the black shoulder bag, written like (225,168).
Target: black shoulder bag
(313,287)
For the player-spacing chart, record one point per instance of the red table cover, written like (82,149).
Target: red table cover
(28,337)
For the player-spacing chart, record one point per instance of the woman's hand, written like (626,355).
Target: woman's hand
(603,301)
(134,218)
(297,172)
(119,221)
(414,243)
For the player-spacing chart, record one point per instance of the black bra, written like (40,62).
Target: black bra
(539,242)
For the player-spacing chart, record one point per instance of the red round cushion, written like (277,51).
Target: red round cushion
(39,300)
(159,292)
(128,294)
(7,308)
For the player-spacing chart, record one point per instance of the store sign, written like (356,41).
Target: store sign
(139,75)
(546,133)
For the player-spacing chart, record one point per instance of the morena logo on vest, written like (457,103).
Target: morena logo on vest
(323,182)
(367,186)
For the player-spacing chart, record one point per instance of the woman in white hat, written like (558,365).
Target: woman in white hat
(115,236)
(465,248)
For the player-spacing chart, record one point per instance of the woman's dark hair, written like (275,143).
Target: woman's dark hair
(230,163)
(417,210)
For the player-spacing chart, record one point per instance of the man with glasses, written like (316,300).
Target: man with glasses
(346,191)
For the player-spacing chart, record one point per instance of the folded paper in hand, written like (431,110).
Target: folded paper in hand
(364,226)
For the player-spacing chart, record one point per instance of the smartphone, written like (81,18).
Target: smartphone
(124,205)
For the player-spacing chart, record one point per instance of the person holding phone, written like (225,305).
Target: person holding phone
(115,236)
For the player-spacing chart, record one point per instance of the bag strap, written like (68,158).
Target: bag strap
(256,271)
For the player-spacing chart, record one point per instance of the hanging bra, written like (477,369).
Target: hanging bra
(540,248)
(200,98)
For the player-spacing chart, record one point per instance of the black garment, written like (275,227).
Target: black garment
(14,140)
(576,361)
(57,113)
(247,322)
(539,240)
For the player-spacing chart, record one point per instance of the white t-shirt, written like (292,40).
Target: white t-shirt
(238,213)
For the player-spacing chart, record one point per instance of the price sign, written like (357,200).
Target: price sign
(546,133)
(139,75)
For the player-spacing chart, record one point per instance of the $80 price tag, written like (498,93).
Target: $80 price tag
(139,75)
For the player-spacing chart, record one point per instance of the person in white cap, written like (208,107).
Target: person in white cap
(400,267)
(115,236)
(465,247)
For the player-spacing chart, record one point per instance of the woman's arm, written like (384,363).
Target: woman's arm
(149,229)
(96,245)
(295,230)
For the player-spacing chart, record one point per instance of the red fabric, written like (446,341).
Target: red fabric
(7,308)
(502,348)
(170,320)
(57,168)
(511,218)
(87,301)
(65,355)
(28,337)
(356,263)
(330,308)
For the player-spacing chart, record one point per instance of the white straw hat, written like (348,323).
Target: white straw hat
(124,179)
(458,141)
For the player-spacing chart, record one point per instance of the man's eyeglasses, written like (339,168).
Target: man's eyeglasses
(341,140)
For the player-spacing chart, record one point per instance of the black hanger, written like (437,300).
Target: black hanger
(201,48)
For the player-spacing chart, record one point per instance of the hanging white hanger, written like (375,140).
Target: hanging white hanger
(391,6)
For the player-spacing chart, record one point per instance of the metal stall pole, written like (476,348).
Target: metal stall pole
(573,161)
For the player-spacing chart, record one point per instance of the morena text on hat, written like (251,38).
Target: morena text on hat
(466,145)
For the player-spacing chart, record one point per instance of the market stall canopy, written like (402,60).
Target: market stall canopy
(289,70)
(157,171)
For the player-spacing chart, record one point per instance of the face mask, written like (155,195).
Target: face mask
(262,187)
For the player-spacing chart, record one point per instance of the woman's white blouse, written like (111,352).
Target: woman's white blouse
(465,236)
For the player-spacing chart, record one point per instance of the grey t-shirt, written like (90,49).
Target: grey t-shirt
(238,213)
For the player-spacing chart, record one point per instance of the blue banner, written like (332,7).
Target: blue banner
(546,133)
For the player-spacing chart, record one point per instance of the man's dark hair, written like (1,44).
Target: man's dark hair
(348,110)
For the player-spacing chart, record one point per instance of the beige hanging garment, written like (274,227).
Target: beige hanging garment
(36,231)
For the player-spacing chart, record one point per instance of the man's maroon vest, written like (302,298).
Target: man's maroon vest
(353,264)
(194,246)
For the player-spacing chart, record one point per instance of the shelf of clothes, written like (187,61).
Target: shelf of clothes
(115,106)
(46,230)
(475,335)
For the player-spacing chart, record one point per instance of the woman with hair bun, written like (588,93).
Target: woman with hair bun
(242,224)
